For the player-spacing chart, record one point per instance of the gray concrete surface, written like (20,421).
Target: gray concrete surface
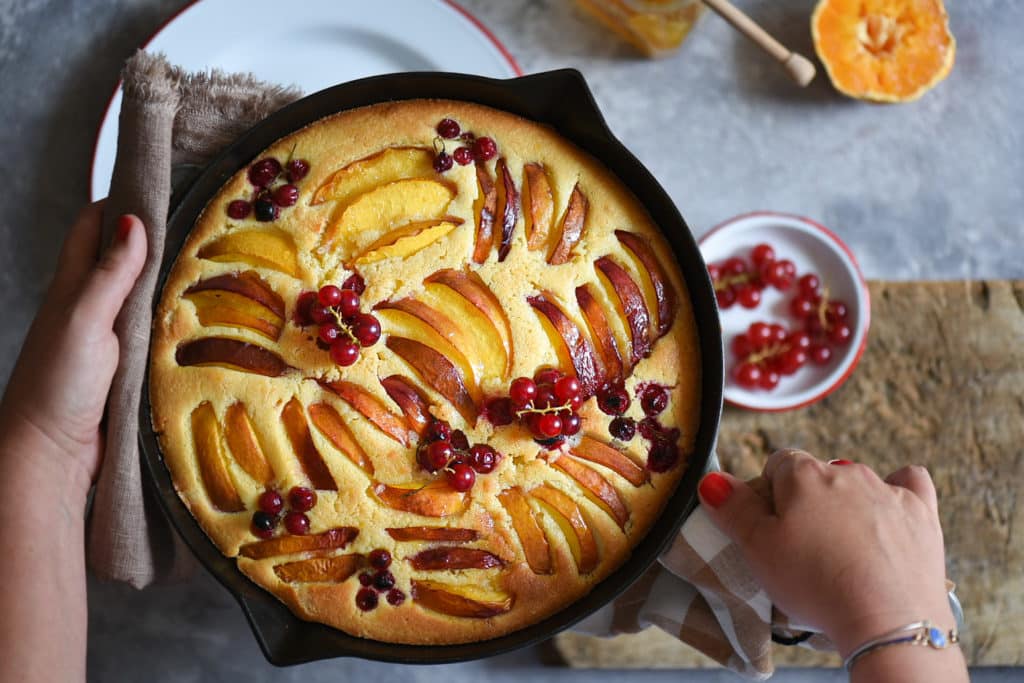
(928,190)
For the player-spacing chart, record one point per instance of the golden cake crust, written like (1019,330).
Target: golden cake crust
(206,412)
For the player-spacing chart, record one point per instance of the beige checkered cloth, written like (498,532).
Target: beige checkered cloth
(701,592)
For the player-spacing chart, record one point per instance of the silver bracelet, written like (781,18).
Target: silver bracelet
(918,633)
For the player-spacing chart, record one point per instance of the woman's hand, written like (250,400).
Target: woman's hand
(55,399)
(835,546)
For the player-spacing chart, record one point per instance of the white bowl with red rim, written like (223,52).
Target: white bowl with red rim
(813,248)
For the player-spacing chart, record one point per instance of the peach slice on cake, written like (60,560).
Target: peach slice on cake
(331,425)
(573,221)
(435,499)
(213,470)
(410,400)
(485,208)
(508,208)
(338,537)
(664,292)
(319,569)
(471,601)
(570,520)
(245,446)
(238,300)
(634,308)
(607,346)
(408,239)
(531,536)
(438,372)
(372,408)
(233,354)
(433,533)
(472,288)
(600,453)
(578,347)
(263,248)
(538,205)
(448,558)
(363,175)
(294,420)
(596,487)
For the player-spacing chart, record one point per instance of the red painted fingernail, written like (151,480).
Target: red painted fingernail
(124,226)
(714,489)
(840,461)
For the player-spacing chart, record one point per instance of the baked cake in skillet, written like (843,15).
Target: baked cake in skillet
(427,370)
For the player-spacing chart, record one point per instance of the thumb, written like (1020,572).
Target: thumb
(735,508)
(111,280)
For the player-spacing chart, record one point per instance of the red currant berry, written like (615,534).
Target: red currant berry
(654,399)
(320,314)
(792,360)
(840,334)
(748,375)
(714,271)
(329,333)
(239,209)
(302,315)
(769,379)
(549,425)
(379,558)
(461,477)
(801,307)
(395,597)
(650,429)
(779,333)
(366,579)
(384,581)
(749,297)
(574,403)
(286,195)
(439,430)
(741,346)
(424,456)
(725,297)
(439,453)
(448,129)
(270,502)
(775,274)
(264,171)
(545,396)
(622,428)
(571,425)
(799,340)
(297,523)
(760,334)
(328,295)
(547,375)
(522,391)
(483,458)
(820,354)
(366,599)
(459,440)
(366,329)
(663,456)
(442,162)
(734,266)
(302,499)
(808,285)
(836,311)
(567,388)
(613,400)
(790,269)
(344,352)
(263,524)
(484,148)
(499,411)
(463,156)
(297,169)
(348,303)
(762,253)
(355,282)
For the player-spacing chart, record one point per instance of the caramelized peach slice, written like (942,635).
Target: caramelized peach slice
(372,408)
(486,209)
(531,537)
(363,175)
(438,372)
(508,208)
(597,452)
(570,520)
(538,205)
(410,400)
(225,309)
(248,284)
(380,210)
(333,427)
(435,319)
(245,446)
(334,569)
(432,533)
(597,488)
(339,537)
(573,221)
(664,293)
(233,354)
(435,499)
(294,420)
(607,347)
(472,288)
(429,325)
(408,239)
(472,602)
(264,248)
(634,309)
(448,558)
(210,454)
(581,353)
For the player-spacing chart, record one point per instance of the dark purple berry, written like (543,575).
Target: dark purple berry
(297,169)
(442,162)
(266,210)
(366,599)
(448,129)
(264,171)
(384,580)
(622,428)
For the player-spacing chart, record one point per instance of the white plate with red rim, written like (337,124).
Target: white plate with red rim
(316,44)
(812,248)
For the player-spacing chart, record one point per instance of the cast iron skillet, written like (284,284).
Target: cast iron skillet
(562,100)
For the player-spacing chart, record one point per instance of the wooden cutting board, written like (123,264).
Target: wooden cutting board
(941,384)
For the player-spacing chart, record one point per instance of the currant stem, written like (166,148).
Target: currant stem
(730,280)
(762,356)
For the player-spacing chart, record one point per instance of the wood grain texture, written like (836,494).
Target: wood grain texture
(942,385)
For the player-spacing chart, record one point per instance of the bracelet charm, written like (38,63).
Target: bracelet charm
(918,633)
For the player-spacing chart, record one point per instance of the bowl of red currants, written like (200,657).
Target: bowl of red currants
(794,307)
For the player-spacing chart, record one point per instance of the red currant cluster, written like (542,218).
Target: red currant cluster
(547,405)
(614,400)
(271,191)
(474,149)
(768,351)
(271,505)
(737,281)
(445,449)
(824,318)
(344,329)
(380,581)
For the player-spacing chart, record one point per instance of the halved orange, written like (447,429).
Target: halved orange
(883,50)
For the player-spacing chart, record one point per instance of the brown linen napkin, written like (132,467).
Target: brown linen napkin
(169,120)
